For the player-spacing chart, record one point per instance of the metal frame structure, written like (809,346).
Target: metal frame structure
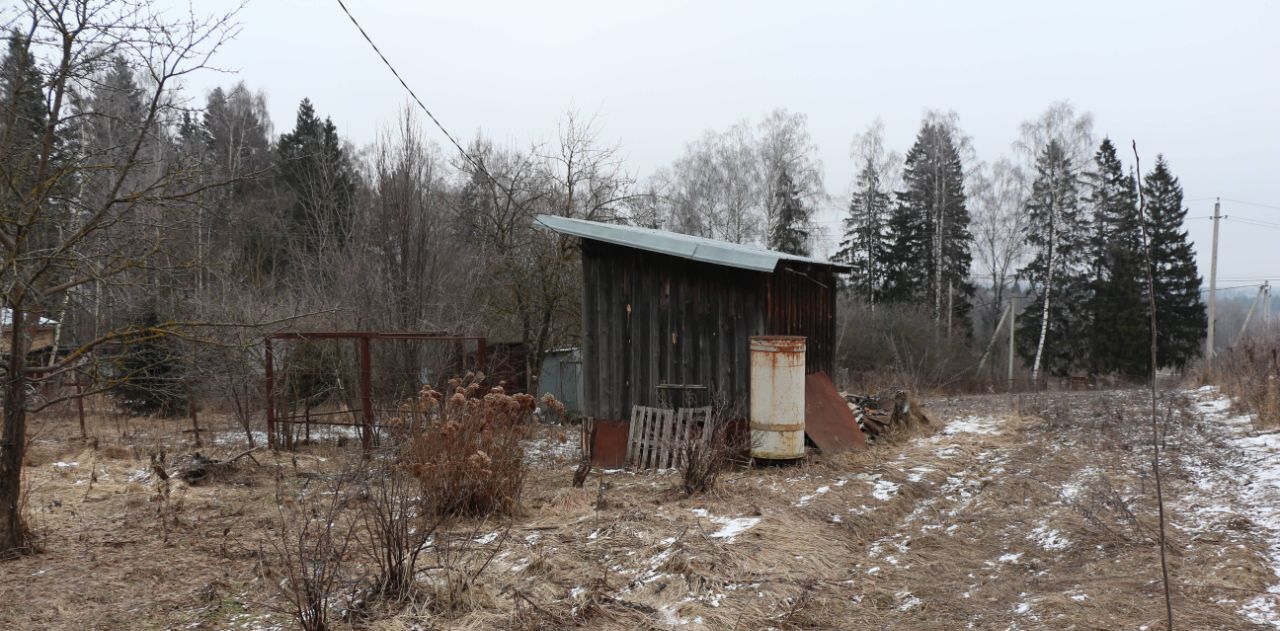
(363,340)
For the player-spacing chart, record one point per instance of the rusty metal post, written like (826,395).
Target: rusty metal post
(366,396)
(271,404)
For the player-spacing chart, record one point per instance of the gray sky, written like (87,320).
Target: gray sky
(1198,82)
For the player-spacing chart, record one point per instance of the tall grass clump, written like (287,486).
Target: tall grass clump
(1249,372)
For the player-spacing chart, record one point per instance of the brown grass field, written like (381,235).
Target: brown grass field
(1029,512)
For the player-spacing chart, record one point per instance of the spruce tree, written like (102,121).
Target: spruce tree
(905,276)
(148,372)
(24,120)
(1053,329)
(931,246)
(22,117)
(865,245)
(789,233)
(1120,328)
(1180,312)
(315,168)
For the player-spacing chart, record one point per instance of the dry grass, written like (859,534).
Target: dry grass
(1250,373)
(1038,515)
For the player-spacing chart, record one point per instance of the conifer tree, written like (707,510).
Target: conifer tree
(22,114)
(930,251)
(1180,311)
(865,245)
(23,119)
(1120,323)
(316,169)
(789,233)
(1053,329)
(905,277)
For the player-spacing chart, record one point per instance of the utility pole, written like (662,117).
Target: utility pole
(1262,289)
(1013,321)
(995,335)
(1213,281)
(1266,306)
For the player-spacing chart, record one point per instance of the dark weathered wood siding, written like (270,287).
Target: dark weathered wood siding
(802,301)
(650,318)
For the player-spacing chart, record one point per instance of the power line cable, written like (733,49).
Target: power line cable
(474,163)
(1253,222)
(1241,201)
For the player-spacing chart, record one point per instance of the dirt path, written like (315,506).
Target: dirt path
(1236,497)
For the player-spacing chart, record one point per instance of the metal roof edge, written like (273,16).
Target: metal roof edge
(677,244)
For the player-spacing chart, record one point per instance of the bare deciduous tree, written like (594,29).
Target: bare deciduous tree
(999,225)
(55,241)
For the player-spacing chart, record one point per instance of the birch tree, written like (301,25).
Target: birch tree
(1057,233)
(999,192)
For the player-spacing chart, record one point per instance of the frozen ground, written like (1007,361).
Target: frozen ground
(1032,512)
(1241,490)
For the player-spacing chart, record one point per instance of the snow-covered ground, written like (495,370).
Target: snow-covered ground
(1246,482)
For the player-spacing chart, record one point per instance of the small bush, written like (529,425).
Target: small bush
(466,451)
(147,370)
(705,460)
(395,532)
(898,346)
(309,549)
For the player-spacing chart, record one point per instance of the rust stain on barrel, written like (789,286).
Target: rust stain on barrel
(777,396)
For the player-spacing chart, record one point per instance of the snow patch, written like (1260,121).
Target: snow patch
(730,527)
(1049,539)
(804,501)
(982,425)
(884,490)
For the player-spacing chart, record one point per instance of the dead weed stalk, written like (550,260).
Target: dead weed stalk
(308,557)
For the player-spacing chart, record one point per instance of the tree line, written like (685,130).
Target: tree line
(1066,226)
(1055,225)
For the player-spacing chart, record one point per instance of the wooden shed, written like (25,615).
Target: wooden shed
(660,307)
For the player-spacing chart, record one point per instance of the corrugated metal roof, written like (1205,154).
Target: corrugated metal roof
(676,244)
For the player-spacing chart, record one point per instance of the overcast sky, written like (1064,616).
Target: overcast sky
(1196,81)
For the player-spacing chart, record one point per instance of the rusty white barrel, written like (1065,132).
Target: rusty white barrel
(777,397)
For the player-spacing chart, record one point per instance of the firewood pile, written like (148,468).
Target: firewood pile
(879,416)
(194,467)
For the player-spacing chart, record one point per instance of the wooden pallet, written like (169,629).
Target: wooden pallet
(658,436)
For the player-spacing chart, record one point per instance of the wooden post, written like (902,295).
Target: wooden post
(271,407)
(80,409)
(366,396)
(195,420)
